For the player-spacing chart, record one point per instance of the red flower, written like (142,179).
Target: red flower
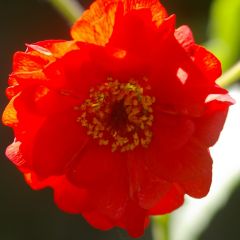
(118,121)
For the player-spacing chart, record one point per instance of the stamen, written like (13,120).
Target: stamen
(118,114)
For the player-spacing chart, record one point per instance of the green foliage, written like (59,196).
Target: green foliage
(224,31)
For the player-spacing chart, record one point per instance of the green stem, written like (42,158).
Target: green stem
(231,76)
(161,229)
(71,10)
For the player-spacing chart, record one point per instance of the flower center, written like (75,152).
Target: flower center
(119,115)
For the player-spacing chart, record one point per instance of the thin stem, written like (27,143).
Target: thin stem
(70,9)
(230,77)
(161,229)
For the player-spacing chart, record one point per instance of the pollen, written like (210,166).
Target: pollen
(118,114)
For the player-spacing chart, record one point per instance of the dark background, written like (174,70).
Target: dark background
(32,215)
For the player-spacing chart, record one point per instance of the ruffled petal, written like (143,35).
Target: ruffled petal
(126,41)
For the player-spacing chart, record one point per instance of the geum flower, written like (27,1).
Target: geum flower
(119,120)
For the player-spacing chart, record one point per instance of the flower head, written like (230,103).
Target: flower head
(119,120)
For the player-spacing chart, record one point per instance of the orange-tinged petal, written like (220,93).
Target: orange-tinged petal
(157,10)
(54,48)
(96,24)
(9,117)
(29,65)
(25,62)
(207,63)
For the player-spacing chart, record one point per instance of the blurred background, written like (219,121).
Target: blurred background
(27,214)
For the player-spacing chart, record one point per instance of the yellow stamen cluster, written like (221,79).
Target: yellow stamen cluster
(118,114)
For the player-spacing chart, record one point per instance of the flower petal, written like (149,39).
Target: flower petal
(135,219)
(70,198)
(172,200)
(25,62)
(14,153)
(92,168)
(51,155)
(9,116)
(209,65)
(98,220)
(145,187)
(67,197)
(104,174)
(76,72)
(205,61)
(196,174)
(158,12)
(184,36)
(111,199)
(55,48)
(136,30)
(190,167)
(170,131)
(96,24)
(210,125)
